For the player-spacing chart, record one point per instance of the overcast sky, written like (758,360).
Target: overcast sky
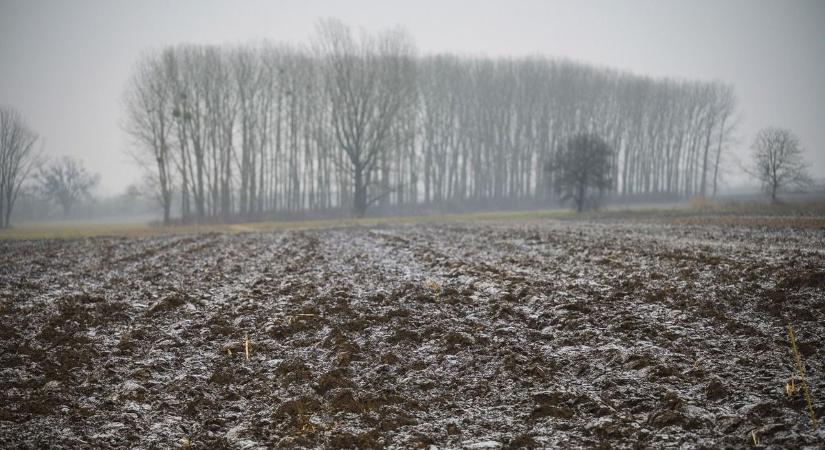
(64,64)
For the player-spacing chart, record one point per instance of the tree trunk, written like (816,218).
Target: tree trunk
(360,200)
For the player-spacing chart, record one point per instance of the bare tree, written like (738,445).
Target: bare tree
(65,181)
(148,106)
(582,170)
(369,81)
(727,106)
(778,162)
(17,159)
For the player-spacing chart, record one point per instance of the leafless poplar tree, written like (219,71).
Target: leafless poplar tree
(148,105)
(369,80)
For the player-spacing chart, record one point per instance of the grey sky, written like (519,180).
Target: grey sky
(64,64)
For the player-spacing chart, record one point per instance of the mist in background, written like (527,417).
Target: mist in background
(65,64)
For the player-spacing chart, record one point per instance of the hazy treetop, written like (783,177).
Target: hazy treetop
(64,64)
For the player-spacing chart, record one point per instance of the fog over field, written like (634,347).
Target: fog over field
(66,64)
(395,224)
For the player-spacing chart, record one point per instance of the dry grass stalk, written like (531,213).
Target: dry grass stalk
(800,368)
(433,286)
(246,346)
(755,439)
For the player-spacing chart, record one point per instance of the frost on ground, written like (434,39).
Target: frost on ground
(580,333)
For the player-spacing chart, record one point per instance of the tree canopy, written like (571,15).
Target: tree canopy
(65,181)
(580,172)
(777,161)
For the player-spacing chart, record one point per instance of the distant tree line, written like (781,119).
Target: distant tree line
(356,120)
(127,205)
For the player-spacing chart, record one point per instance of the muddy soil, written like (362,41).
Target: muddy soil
(552,334)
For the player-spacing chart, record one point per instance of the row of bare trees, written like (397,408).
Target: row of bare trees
(356,120)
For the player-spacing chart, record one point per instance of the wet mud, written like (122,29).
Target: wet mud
(545,334)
